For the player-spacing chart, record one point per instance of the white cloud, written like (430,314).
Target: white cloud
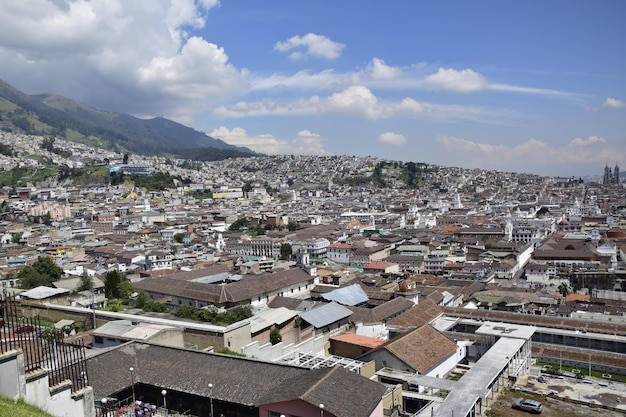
(304,143)
(391,138)
(359,101)
(314,45)
(380,71)
(355,100)
(199,70)
(134,56)
(463,81)
(591,140)
(613,102)
(530,154)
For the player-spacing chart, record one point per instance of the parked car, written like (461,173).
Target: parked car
(531,406)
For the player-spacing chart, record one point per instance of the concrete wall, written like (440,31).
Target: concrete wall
(59,401)
(172,337)
(271,353)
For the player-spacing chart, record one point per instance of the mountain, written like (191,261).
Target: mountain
(55,115)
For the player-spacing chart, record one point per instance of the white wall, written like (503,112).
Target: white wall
(58,401)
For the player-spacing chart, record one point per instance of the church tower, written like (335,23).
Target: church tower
(616,175)
(607,175)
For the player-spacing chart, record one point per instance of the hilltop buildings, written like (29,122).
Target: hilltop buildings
(355,291)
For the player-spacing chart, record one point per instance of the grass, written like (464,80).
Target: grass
(10,408)
(583,372)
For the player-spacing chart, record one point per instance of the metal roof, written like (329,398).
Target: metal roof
(350,296)
(270,317)
(325,314)
(42,292)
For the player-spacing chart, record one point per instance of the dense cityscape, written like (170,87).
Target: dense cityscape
(278,285)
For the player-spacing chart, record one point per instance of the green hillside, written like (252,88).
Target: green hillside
(58,116)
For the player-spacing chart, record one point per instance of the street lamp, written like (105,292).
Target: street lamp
(211,397)
(103,406)
(322,410)
(132,381)
(164,393)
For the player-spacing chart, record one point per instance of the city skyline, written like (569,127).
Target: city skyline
(523,86)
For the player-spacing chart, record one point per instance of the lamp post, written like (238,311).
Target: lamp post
(132,381)
(321,410)
(211,397)
(93,309)
(103,406)
(164,393)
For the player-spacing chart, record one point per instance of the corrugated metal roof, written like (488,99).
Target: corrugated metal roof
(270,317)
(325,314)
(42,292)
(349,296)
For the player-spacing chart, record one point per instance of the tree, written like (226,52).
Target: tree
(564,289)
(116,285)
(179,237)
(275,336)
(46,266)
(141,300)
(48,144)
(30,278)
(16,237)
(286,251)
(125,159)
(85,284)
(46,219)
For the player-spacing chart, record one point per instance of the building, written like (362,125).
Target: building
(215,384)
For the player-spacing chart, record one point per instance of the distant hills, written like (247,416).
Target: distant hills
(58,116)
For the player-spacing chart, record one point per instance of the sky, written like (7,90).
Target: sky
(527,86)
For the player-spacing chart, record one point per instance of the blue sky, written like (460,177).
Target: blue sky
(529,86)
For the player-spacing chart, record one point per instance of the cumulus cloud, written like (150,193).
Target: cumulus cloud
(391,138)
(589,141)
(135,56)
(314,45)
(304,143)
(380,71)
(613,102)
(463,81)
(359,101)
(200,69)
(531,153)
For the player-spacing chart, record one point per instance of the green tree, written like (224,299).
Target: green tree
(85,284)
(46,266)
(286,251)
(153,306)
(141,300)
(179,237)
(42,272)
(30,278)
(116,285)
(564,289)
(47,144)
(16,237)
(46,219)
(275,336)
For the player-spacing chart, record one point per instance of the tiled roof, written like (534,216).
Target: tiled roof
(418,315)
(240,291)
(237,380)
(360,340)
(422,349)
